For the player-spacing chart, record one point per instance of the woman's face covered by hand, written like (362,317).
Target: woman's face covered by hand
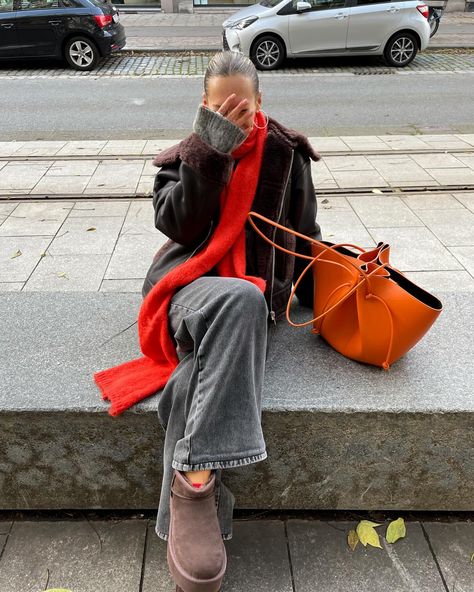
(234,98)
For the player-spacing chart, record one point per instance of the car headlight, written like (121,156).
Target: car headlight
(243,23)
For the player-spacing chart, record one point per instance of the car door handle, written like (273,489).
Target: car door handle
(393,9)
(54,22)
(7,25)
(340,16)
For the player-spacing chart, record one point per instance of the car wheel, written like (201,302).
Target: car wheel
(267,53)
(81,53)
(400,50)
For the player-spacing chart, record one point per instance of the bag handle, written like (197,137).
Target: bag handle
(365,275)
(291,231)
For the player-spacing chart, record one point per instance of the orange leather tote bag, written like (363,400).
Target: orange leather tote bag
(364,308)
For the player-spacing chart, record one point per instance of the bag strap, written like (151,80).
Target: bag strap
(365,275)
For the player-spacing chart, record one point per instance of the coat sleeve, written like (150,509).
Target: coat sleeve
(186,195)
(302,215)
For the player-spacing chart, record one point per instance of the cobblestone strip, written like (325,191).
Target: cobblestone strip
(172,65)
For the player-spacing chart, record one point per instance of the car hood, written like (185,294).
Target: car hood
(252,10)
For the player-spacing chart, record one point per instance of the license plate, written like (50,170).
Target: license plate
(116,18)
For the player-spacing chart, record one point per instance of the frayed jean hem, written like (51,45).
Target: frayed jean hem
(163,535)
(219,464)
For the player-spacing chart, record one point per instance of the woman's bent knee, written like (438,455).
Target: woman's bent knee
(247,298)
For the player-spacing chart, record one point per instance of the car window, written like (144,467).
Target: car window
(270,3)
(6,5)
(99,3)
(322,4)
(38,4)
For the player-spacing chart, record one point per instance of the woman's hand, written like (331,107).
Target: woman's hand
(238,113)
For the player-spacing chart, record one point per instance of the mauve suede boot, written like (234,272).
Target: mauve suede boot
(196,553)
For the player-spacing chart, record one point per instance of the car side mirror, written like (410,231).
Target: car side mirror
(301,5)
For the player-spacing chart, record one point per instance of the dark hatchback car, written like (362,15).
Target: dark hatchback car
(81,31)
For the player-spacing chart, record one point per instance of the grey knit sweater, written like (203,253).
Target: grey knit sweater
(217,130)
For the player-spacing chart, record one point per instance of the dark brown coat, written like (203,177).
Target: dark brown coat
(186,202)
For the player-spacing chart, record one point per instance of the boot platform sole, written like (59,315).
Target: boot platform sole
(190,584)
(178,589)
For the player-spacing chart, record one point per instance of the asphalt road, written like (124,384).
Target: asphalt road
(114,108)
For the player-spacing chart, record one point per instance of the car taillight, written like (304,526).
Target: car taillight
(424,10)
(103,20)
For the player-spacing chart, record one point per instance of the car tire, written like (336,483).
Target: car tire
(400,50)
(267,53)
(81,53)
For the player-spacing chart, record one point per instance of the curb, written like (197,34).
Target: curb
(155,50)
(159,51)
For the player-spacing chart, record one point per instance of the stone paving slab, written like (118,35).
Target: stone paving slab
(108,245)
(443,281)
(448,227)
(81,556)
(88,556)
(117,175)
(391,147)
(382,211)
(453,546)
(426,252)
(257,558)
(322,558)
(466,199)
(466,256)
(156,576)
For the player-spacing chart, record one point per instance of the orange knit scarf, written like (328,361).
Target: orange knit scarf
(130,382)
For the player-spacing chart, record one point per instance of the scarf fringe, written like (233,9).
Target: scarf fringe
(114,383)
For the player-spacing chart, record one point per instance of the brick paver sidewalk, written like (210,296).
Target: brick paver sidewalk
(140,64)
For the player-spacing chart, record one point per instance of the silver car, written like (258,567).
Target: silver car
(271,30)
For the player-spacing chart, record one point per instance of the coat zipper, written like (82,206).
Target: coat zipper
(201,243)
(272,312)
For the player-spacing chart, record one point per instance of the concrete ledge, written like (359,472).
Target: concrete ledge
(340,435)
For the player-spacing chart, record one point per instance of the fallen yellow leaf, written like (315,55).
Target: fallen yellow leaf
(395,530)
(352,539)
(367,535)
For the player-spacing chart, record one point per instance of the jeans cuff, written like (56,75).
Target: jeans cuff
(226,536)
(219,464)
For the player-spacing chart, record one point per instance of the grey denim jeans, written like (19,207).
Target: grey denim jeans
(210,408)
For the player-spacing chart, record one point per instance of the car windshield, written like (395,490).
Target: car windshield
(270,3)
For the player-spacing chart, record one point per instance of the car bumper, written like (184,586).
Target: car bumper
(237,40)
(113,40)
(425,36)
(230,40)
